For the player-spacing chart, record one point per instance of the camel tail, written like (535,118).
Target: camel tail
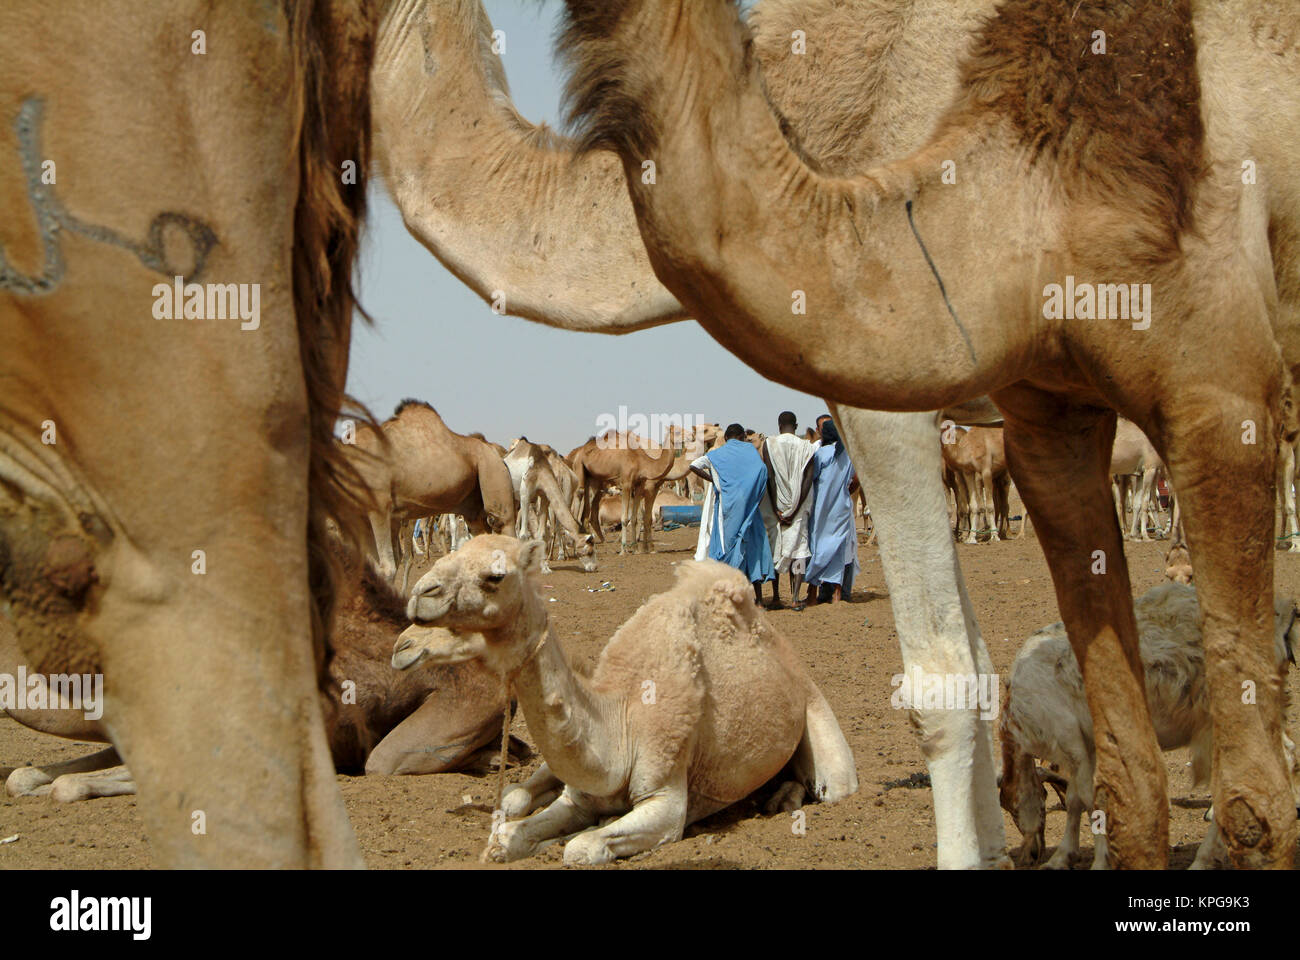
(332,47)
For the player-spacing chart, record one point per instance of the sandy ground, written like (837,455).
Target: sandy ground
(852,652)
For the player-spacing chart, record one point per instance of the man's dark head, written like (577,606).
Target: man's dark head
(787,422)
(734,432)
(820,420)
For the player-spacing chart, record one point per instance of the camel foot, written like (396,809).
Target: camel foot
(1059,860)
(788,798)
(28,782)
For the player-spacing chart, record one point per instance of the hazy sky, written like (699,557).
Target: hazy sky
(434,340)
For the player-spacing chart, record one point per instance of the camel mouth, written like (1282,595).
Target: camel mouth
(420,643)
(426,609)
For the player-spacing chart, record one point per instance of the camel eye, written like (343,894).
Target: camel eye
(493,578)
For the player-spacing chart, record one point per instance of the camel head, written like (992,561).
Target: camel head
(1022,793)
(1178,564)
(476,603)
(583,546)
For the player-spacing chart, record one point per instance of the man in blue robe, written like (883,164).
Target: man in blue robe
(833,528)
(739,479)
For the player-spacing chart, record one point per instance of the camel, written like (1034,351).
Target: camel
(976,462)
(1123,173)
(1288,529)
(695,703)
(377,721)
(1134,458)
(415,466)
(608,286)
(533,480)
(588,271)
(638,466)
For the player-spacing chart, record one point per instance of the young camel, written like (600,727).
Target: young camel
(415,466)
(638,467)
(535,482)
(695,703)
(1128,175)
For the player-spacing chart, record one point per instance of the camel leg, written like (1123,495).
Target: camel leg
(35,781)
(989,499)
(648,494)
(823,762)
(900,465)
(517,839)
(1286,472)
(1226,492)
(435,738)
(539,789)
(1074,807)
(626,495)
(1059,456)
(655,819)
(381,527)
(113,782)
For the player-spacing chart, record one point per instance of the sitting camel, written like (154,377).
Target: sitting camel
(376,720)
(695,703)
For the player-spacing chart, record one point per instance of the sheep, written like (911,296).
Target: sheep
(1044,714)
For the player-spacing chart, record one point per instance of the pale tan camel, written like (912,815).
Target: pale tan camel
(414,466)
(1102,181)
(638,466)
(1134,464)
(377,721)
(535,484)
(695,703)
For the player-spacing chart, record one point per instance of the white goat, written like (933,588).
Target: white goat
(1044,714)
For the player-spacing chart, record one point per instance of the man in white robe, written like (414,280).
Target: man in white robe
(788,458)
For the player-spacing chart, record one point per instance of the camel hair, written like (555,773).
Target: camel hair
(377,721)
(1102,170)
(695,702)
(415,466)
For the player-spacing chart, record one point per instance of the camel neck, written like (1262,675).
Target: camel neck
(573,724)
(503,204)
(817,282)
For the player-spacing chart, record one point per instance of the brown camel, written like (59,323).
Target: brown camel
(976,462)
(416,466)
(377,720)
(638,466)
(1106,166)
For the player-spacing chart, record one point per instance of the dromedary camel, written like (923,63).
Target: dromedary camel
(977,461)
(695,702)
(533,480)
(1080,155)
(1133,461)
(462,110)
(638,466)
(415,466)
(376,720)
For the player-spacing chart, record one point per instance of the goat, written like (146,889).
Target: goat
(1044,714)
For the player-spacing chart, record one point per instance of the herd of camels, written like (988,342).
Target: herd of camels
(823,188)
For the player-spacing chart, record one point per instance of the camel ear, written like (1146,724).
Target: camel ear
(530,555)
